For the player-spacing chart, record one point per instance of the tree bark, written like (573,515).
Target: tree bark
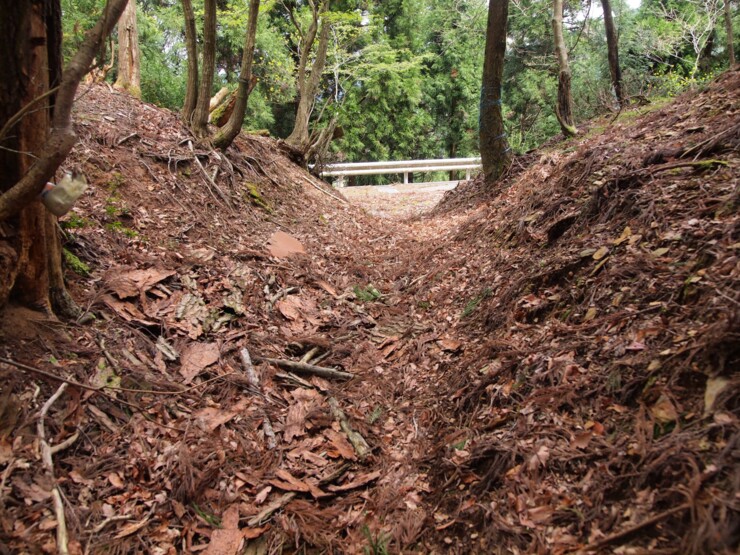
(129,55)
(564,106)
(30,250)
(730,35)
(612,47)
(307,84)
(200,116)
(228,133)
(494,149)
(191,45)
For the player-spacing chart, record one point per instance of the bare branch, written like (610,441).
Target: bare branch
(62,137)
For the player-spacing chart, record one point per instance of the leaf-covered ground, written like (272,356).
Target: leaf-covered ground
(546,367)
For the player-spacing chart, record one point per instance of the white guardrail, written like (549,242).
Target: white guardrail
(401,166)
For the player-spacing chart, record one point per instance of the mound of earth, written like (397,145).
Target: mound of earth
(545,367)
(596,400)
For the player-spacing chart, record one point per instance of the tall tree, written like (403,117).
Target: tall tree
(200,115)
(36,135)
(730,35)
(307,82)
(494,149)
(612,46)
(564,106)
(226,135)
(191,45)
(129,55)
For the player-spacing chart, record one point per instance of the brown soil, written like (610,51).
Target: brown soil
(545,366)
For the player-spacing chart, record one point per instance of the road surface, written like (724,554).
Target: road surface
(398,200)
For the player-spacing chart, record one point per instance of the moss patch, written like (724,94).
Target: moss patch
(256,197)
(75,264)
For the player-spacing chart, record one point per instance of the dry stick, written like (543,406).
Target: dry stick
(355,438)
(297,380)
(46,457)
(305,359)
(335,197)
(6,474)
(283,293)
(100,389)
(255,382)
(358,442)
(271,508)
(632,529)
(303,368)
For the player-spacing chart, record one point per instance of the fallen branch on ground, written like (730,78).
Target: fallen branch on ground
(47,452)
(355,438)
(283,293)
(304,368)
(327,193)
(254,381)
(271,508)
(636,528)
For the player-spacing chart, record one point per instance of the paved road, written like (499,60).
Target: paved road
(398,200)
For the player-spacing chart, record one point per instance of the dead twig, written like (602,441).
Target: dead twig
(303,368)
(47,452)
(327,193)
(355,438)
(100,389)
(283,293)
(276,505)
(254,381)
(637,527)
(126,138)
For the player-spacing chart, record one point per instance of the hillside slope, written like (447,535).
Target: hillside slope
(597,397)
(540,368)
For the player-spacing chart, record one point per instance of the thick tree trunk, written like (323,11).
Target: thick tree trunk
(730,35)
(228,133)
(494,149)
(191,45)
(129,55)
(200,116)
(30,251)
(564,106)
(612,47)
(307,84)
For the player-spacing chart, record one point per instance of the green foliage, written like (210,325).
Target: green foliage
(377,545)
(402,77)
(118,227)
(367,294)
(73,221)
(256,197)
(475,301)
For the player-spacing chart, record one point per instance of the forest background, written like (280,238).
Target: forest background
(402,78)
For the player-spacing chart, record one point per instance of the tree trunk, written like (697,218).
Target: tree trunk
(200,116)
(129,55)
(494,149)
(307,85)
(612,46)
(228,133)
(730,35)
(191,45)
(30,249)
(564,106)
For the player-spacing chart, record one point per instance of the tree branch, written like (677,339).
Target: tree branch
(62,137)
